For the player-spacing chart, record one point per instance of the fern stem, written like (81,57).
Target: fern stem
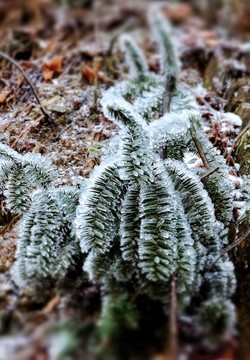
(246,128)
(26,130)
(199,149)
(231,247)
(210,173)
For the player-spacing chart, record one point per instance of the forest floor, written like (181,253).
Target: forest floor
(70,55)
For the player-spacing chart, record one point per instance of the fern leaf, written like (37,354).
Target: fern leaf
(39,169)
(217,316)
(170,132)
(130,225)
(187,257)
(96,220)
(121,112)
(16,190)
(134,56)
(47,247)
(218,184)
(6,153)
(169,60)
(98,265)
(158,242)
(197,204)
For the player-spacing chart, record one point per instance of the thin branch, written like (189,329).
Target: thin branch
(26,130)
(10,225)
(199,149)
(210,173)
(13,62)
(231,247)
(246,128)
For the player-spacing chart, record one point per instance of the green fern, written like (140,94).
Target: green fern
(20,174)
(47,247)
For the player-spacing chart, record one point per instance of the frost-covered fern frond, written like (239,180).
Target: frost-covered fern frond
(218,184)
(135,146)
(183,102)
(130,225)
(146,95)
(96,220)
(20,175)
(39,169)
(197,204)
(6,153)
(158,242)
(169,59)
(121,112)
(47,247)
(146,216)
(171,133)
(134,56)
(217,316)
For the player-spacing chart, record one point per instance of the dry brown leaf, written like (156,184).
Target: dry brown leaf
(3,95)
(54,66)
(178,12)
(89,74)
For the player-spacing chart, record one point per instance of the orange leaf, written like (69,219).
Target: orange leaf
(178,12)
(89,74)
(54,66)
(48,74)
(3,95)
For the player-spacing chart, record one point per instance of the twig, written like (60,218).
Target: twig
(10,225)
(25,131)
(239,136)
(13,62)
(231,247)
(229,157)
(200,151)
(210,173)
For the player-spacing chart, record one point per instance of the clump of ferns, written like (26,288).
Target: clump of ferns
(46,247)
(47,250)
(146,216)
(20,175)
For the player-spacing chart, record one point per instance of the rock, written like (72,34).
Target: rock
(243,110)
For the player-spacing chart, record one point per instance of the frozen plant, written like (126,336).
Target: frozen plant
(20,174)
(47,248)
(146,216)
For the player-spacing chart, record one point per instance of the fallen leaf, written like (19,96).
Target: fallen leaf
(3,96)
(178,12)
(89,74)
(54,66)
